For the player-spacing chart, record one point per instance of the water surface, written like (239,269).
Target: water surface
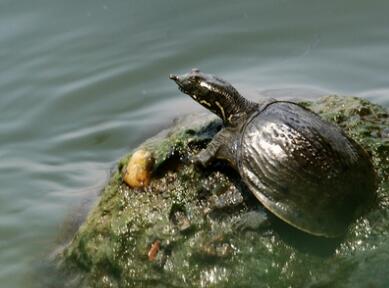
(84,81)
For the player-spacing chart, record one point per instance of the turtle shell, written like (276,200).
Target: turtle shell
(305,170)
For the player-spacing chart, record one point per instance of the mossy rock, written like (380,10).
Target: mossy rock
(196,227)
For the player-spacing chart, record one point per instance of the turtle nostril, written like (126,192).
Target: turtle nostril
(173,77)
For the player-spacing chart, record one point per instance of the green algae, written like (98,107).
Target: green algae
(209,239)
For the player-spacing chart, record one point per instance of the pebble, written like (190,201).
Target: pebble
(138,171)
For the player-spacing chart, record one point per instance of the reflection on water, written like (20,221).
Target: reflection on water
(83,81)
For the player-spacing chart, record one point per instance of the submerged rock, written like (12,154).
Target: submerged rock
(198,227)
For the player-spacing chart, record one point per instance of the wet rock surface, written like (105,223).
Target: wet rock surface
(196,227)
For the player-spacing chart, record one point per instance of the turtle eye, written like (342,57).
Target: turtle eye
(196,78)
(195,70)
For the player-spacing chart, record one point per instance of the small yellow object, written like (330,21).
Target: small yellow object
(138,170)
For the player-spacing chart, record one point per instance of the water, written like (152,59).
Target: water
(81,82)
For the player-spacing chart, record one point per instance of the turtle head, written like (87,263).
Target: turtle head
(212,92)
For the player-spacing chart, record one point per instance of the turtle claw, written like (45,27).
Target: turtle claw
(195,160)
(202,159)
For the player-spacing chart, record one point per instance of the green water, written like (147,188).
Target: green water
(81,82)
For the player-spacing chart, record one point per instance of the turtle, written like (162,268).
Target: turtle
(303,169)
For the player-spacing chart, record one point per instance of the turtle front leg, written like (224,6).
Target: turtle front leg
(221,147)
(205,156)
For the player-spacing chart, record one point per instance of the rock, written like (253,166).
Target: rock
(252,220)
(197,227)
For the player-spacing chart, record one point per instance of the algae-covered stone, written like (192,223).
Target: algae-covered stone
(193,227)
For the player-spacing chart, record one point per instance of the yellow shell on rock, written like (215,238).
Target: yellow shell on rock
(138,170)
